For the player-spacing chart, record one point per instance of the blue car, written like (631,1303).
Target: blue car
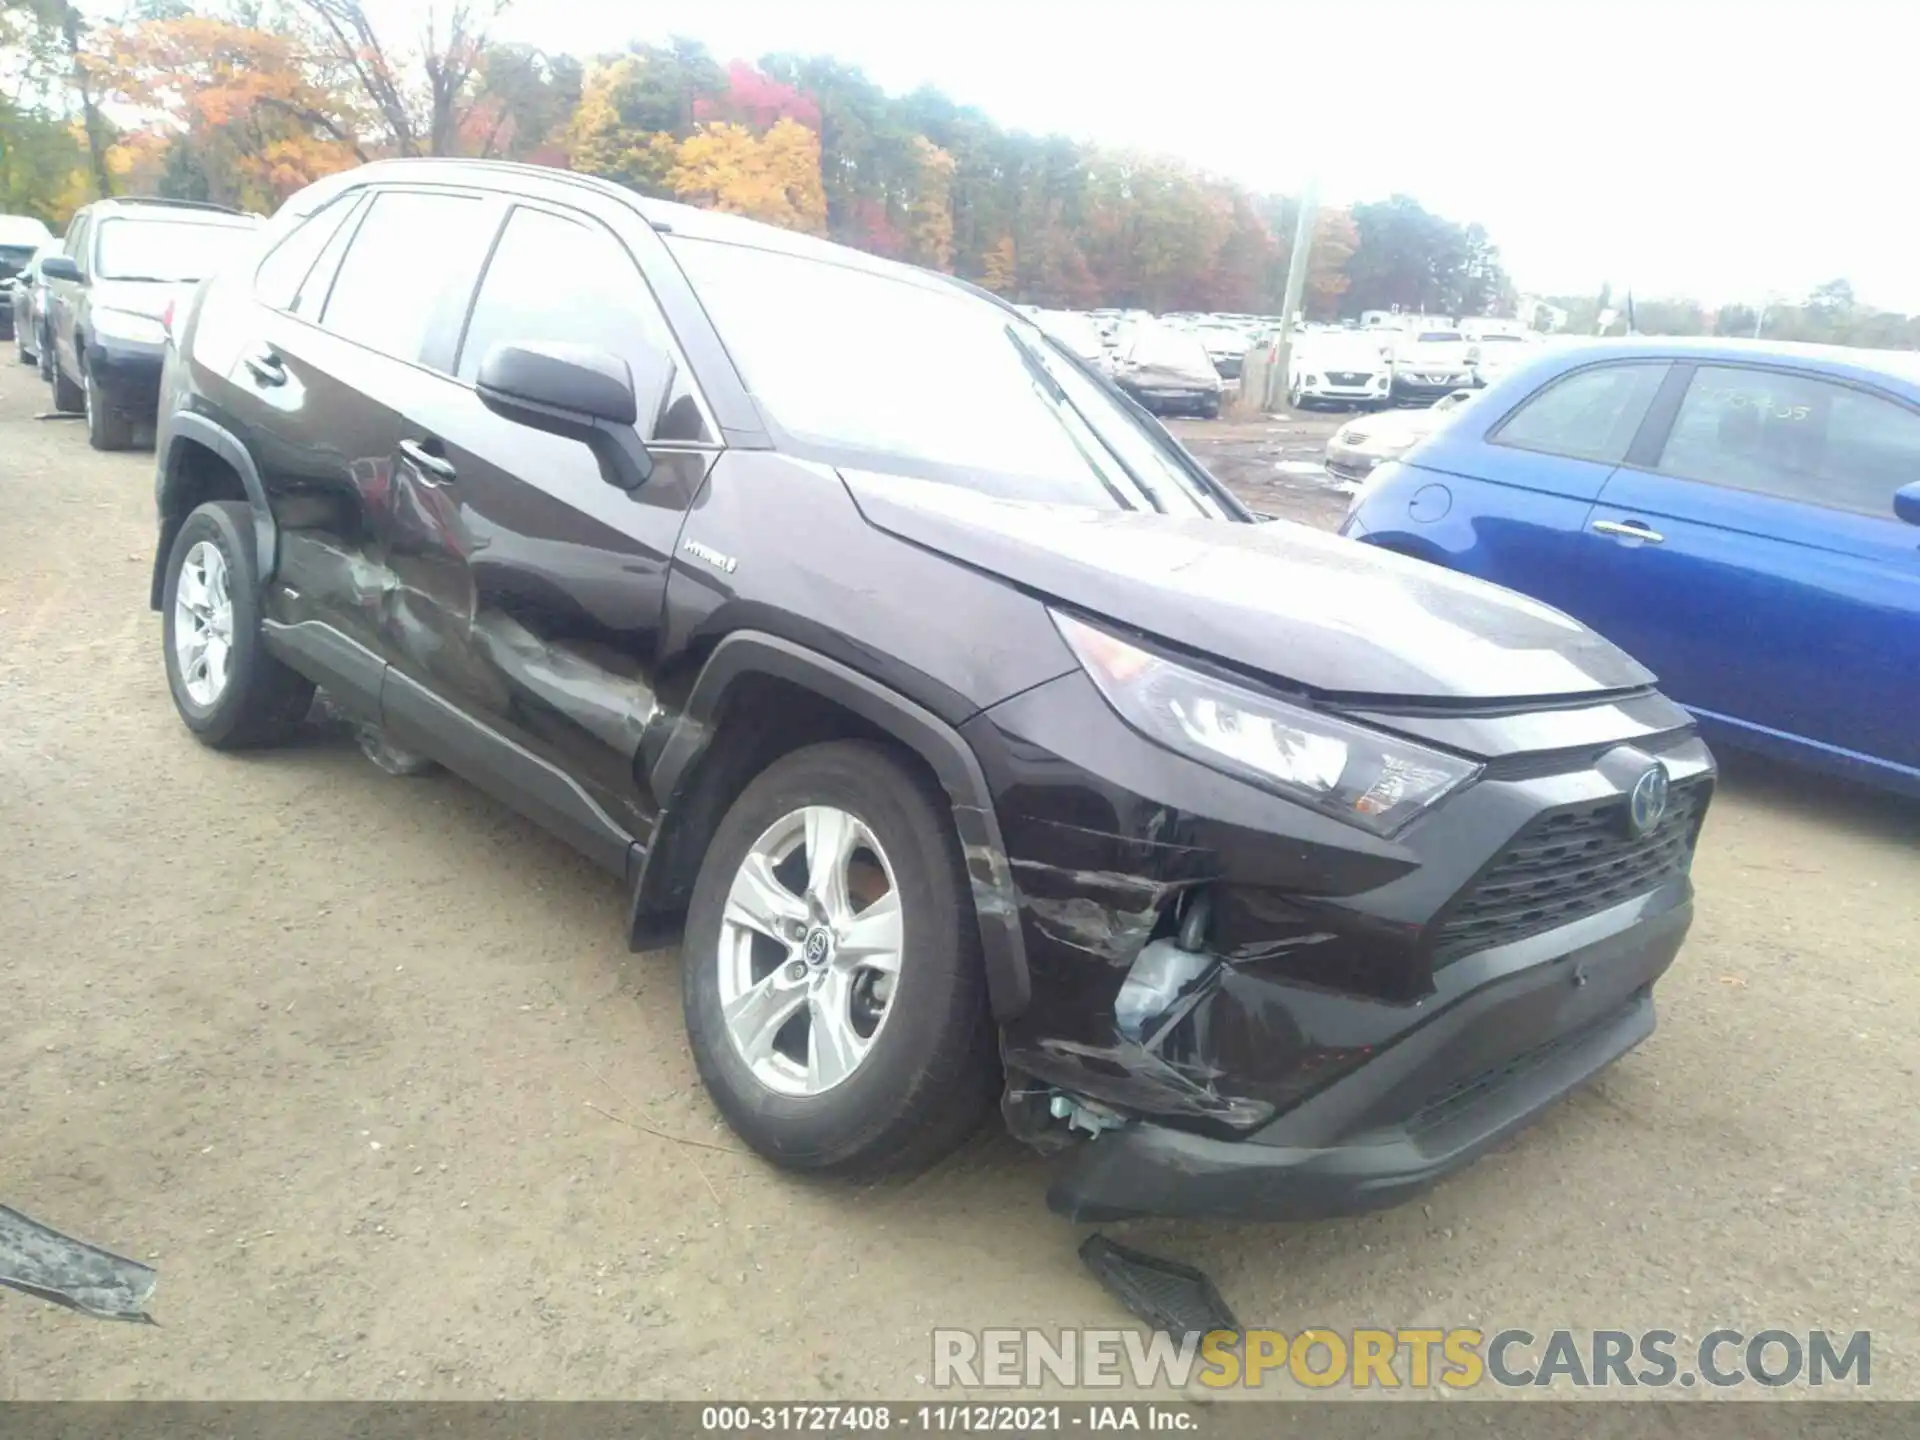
(1743,517)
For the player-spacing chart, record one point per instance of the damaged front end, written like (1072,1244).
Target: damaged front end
(1241,1008)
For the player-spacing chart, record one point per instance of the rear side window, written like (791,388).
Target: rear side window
(402,257)
(1795,437)
(554,279)
(1591,414)
(277,282)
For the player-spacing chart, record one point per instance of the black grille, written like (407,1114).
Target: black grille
(1568,865)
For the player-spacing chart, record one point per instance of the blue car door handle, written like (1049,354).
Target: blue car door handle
(1628,530)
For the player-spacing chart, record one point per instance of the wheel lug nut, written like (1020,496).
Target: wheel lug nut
(797,970)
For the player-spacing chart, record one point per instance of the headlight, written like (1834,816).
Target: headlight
(125,325)
(1376,781)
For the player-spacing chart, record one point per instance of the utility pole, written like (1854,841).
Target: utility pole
(1282,364)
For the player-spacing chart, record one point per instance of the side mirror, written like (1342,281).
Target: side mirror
(571,390)
(1906,503)
(59,267)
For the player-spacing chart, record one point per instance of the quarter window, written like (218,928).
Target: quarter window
(277,282)
(398,266)
(1794,437)
(1592,414)
(557,280)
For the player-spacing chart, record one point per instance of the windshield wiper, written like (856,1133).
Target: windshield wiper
(1056,392)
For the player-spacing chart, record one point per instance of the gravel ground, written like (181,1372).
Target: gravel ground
(362,1066)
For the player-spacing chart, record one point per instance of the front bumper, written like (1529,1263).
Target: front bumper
(126,376)
(1167,400)
(1425,1107)
(1427,387)
(1353,464)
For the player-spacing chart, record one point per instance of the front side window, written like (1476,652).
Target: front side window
(923,379)
(1795,437)
(411,244)
(176,251)
(554,279)
(1592,414)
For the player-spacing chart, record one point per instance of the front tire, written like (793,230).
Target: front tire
(106,428)
(833,987)
(229,691)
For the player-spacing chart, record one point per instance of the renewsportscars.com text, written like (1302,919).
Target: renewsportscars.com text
(1381,1359)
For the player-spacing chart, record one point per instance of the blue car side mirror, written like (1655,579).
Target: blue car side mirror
(1906,503)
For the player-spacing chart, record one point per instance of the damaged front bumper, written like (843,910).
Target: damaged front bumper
(1256,1011)
(1426,1106)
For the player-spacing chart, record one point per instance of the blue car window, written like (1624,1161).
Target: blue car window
(1591,414)
(1795,437)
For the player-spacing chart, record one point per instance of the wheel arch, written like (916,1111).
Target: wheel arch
(695,779)
(193,443)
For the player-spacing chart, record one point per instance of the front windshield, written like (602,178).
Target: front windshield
(1175,349)
(921,378)
(172,250)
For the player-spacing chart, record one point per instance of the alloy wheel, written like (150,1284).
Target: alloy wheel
(809,953)
(203,624)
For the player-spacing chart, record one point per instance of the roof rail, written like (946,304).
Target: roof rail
(177,204)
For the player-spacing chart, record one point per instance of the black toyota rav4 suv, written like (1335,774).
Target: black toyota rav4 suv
(969,738)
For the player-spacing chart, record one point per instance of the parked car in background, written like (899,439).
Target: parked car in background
(1492,356)
(20,236)
(1359,446)
(971,741)
(27,295)
(125,263)
(1429,363)
(1075,331)
(1168,371)
(1743,517)
(1338,368)
(1226,347)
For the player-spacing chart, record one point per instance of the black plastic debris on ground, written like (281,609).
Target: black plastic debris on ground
(42,1262)
(1167,1295)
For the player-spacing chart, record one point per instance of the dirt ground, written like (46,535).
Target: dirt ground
(361,1065)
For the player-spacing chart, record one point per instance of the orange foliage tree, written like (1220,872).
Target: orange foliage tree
(773,177)
(238,104)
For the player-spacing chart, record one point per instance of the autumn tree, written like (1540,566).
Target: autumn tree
(244,122)
(929,227)
(420,96)
(773,177)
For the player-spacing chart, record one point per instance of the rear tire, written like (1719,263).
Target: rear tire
(107,429)
(926,1072)
(229,691)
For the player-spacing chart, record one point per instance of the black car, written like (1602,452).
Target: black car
(125,263)
(1167,372)
(20,237)
(968,737)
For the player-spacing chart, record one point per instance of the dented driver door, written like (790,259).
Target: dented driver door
(564,572)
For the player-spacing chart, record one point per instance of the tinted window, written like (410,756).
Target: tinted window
(1589,415)
(922,378)
(1795,437)
(278,280)
(397,267)
(170,250)
(311,298)
(557,280)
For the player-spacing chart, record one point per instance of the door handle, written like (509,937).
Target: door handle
(434,469)
(1628,530)
(266,367)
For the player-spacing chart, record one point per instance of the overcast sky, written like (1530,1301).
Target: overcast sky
(1686,147)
